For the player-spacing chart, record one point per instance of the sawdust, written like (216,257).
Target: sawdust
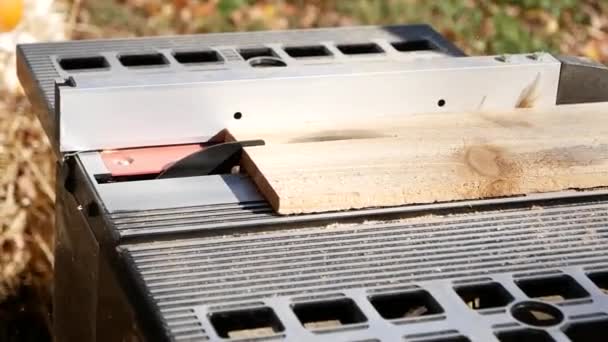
(529,95)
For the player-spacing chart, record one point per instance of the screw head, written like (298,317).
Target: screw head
(124,161)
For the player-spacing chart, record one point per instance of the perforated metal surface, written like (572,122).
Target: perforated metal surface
(433,253)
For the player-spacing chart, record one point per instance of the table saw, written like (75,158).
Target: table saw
(162,237)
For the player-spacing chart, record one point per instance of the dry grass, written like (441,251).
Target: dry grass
(26,206)
(26,190)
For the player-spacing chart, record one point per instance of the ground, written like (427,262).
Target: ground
(26,162)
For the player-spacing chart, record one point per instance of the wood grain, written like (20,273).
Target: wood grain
(429,158)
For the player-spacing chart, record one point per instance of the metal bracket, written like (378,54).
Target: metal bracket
(581,80)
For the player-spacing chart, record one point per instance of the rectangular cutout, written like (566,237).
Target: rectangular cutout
(197,57)
(414,45)
(594,331)
(360,49)
(450,339)
(248,53)
(523,335)
(552,289)
(328,314)
(406,305)
(484,296)
(307,51)
(248,323)
(600,280)
(143,60)
(83,63)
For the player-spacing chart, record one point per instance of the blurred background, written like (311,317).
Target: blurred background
(27,165)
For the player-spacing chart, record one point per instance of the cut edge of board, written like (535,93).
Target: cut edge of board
(260,181)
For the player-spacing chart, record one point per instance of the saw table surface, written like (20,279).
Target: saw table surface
(429,158)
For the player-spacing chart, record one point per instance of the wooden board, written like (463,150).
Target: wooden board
(429,158)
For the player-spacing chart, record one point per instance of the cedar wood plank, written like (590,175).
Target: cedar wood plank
(429,158)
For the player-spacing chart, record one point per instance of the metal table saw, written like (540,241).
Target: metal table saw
(148,251)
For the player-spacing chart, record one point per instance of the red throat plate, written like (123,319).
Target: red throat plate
(147,160)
